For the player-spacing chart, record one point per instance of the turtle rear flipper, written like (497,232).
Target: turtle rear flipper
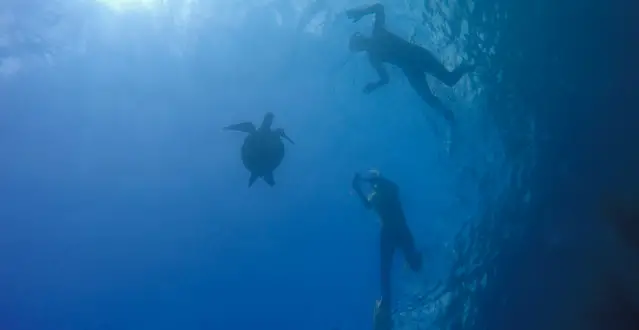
(246,127)
(252,179)
(268,178)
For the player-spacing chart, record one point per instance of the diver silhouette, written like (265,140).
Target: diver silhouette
(395,234)
(415,61)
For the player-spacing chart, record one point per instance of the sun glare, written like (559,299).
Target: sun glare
(127,5)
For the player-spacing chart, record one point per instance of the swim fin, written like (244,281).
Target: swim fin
(382,318)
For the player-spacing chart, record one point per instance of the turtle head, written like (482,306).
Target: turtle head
(268,121)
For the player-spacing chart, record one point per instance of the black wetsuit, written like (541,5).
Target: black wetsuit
(413,60)
(395,233)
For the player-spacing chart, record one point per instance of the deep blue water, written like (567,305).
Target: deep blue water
(123,204)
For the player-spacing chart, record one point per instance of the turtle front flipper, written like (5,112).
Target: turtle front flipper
(268,178)
(246,127)
(281,133)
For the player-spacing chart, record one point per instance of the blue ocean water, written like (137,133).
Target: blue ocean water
(124,205)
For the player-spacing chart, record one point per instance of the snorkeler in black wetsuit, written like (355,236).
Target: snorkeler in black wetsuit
(395,234)
(386,47)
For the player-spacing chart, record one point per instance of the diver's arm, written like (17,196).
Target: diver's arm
(390,188)
(377,9)
(381,72)
(358,190)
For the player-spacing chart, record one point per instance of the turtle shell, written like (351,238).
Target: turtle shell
(262,152)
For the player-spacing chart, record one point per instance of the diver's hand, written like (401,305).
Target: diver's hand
(370,87)
(354,15)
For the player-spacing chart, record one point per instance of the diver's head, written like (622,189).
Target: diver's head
(374,177)
(374,173)
(357,43)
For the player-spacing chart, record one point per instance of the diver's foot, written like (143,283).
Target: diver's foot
(414,262)
(382,319)
(459,73)
(450,117)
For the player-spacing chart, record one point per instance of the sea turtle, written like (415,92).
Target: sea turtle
(263,149)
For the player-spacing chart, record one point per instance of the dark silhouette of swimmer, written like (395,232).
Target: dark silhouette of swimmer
(384,199)
(386,47)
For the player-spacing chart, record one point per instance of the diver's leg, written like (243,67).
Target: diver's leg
(450,78)
(387,248)
(431,65)
(407,245)
(382,316)
(458,73)
(418,82)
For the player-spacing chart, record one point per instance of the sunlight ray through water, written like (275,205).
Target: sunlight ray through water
(127,5)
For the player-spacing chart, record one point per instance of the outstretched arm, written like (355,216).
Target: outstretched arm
(378,9)
(381,72)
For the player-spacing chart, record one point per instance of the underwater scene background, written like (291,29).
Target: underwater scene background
(124,205)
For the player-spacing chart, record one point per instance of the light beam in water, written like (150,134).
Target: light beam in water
(127,5)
